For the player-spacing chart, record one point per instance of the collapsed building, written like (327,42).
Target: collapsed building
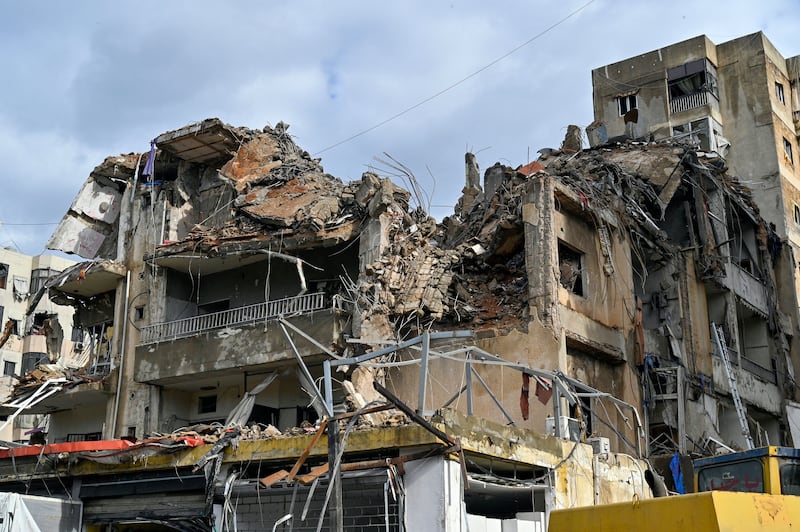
(286,347)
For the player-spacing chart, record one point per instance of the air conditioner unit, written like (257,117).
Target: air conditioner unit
(600,445)
(570,427)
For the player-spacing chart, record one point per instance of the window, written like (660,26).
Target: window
(626,104)
(207,404)
(138,313)
(779,92)
(9,368)
(692,78)
(3,275)
(39,277)
(570,265)
(738,476)
(787,150)
(695,133)
(796,214)
(790,477)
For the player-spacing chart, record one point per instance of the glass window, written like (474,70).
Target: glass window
(747,475)
(9,367)
(779,92)
(790,477)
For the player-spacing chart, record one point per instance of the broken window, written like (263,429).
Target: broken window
(787,150)
(3,275)
(9,367)
(754,343)
(20,288)
(697,132)
(206,404)
(744,246)
(692,78)
(627,103)
(39,277)
(779,92)
(570,265)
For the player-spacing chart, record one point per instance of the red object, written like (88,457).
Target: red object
(86,446)
(524,403)
(544,391)
(531,168)
(66,447)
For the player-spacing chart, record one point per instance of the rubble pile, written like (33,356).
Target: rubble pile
(486,232)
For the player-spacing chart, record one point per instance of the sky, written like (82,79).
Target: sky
(85,80)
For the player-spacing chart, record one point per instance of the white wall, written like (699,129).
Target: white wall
(434,496)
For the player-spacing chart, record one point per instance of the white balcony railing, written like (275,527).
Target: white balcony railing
(689,101)
(171,330)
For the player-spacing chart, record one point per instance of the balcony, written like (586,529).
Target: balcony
(765,374)
(748,287)
(755,383)
(270,310)
(226,344)
(679,104)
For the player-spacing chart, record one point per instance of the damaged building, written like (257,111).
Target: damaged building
(35,333)
(285,348)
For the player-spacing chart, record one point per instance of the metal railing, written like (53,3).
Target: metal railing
(171,330)
(689,101)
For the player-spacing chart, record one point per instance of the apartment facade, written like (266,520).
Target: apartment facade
(252,317)
(737,100)
(233,271)
(34,330)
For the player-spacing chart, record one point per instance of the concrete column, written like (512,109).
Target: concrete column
(541,252)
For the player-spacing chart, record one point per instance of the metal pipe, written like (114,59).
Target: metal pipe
(122,352)
(423,377)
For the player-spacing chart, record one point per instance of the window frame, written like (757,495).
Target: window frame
(631,102)
(5,274)
(787,150)
(779,92)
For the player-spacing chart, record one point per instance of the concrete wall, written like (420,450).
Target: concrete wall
(230,350)
(646,75)
(81,421)
(434,496)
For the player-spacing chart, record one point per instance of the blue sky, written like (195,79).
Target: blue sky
(83,80)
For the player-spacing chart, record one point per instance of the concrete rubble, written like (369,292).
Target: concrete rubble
(587,273)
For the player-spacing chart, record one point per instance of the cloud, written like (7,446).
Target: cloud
(90,79)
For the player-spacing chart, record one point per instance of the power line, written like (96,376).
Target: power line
(39,223)
(459,82)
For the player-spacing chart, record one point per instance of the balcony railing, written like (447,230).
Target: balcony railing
(172,330)
(689,101)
